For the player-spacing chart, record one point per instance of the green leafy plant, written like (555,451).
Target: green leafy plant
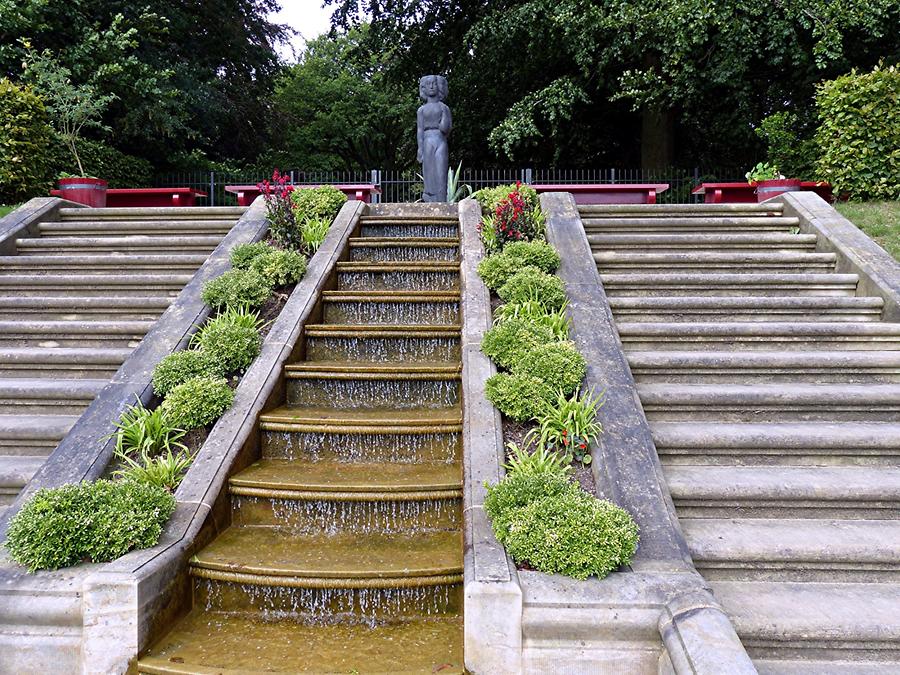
(236,289)
(519,396)
(230,341)
(313,232)
(243,255)
(487,231)
(569,425)
(144,431)
(455,191)
(535,313)
(518,489)
(534,285)
(762,171)
(24,143)
(98,521)
(510,341)
(535,253)
(280,267)
(317,202)
(164,470)
(490,198)
(197,402)
(495,270)
(790,144)
(540,460)
(557,363)
(180,367)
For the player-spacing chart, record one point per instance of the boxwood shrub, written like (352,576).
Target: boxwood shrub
(518,490)
(519,396)
(237,288)
(318,202)
(509,342)
(559,364)
(532,284)
(24,144)
(182,366)
(197,402)
(496,269)
(535,253)
(229,346)
(243,255)
(280,267)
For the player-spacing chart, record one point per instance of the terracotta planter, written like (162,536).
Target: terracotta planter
(87,191)
(766,189)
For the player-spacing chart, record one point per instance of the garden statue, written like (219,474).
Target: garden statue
(433,128)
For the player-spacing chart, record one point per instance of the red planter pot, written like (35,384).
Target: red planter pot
(766,189)
(87,191)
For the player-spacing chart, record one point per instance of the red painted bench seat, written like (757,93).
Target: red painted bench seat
(360,192)
(143,197)
(608,193)
(745,193)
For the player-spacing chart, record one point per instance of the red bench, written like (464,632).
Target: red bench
(362,192)
(745,193)
(137,197)
(609,193)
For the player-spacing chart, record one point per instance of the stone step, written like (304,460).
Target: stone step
(437,276)
(778,492)
(133,244)
(745,308)
(403,249)
(434,308)
(61,362)
(34,396)
(828,622)
(776,444)
(191,213)
(419,228)
(678,210)
(778,402)
(233,644)
(154,229)
(722,284)
(15,472)
(27,437)
(364,498)
(384,344)
(803,664)
(707,262)
(78,285)
(73,333)
(361,385)
(688,224)
(766,366)
(724,241)
(74,308)
(766,336)
(109,263)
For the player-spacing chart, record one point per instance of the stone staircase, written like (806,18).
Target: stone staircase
(344,552)
(773,394)
(74,303)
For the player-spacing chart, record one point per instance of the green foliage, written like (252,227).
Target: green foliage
(280,267)
(519,396)
(243,255)
(569,425)
(490,198)
(487,232)
(98,521)
(541,460)
(318,202)
(559,364)
(230,341)
(509,342)
(103,161)
(180,367)
(496,269)
(197,402)
(534,285)
(24,143)
(237,289)
(144,431)
(536,253)
(517,490)
(535,313)
(572,533)
(762,171)
(313,232)
(455,191)
(789,144)
(164,470)
(859,134)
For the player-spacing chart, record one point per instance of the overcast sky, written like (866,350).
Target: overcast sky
(307,17)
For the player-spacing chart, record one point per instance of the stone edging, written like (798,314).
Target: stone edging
(24,220)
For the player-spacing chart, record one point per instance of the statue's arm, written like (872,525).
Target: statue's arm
(420,135)
(446,120)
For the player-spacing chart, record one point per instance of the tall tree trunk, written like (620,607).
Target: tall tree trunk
(657,139)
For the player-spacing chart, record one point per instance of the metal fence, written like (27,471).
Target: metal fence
(406,186)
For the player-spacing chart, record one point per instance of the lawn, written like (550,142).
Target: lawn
(6,209)
(879,220)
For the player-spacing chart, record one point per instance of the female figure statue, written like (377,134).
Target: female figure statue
(434,124)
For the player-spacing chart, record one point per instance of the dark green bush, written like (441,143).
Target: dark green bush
(571,533)
(280,267)
(535,253)
(789,144)
(182,366)
(319,202)
(243,255)
(859,133)
(559,364)
(237,288)
(518,490)
(197,402)
(495,270)
(98,521)
(24,144)
(519,396)
(229,346)
(101,161)
(534,285)
(509,342)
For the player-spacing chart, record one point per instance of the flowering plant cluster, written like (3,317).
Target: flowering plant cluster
(514,215)
(279,210)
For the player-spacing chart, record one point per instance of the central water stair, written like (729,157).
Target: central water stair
(75,301)
(345,553)
(772,389)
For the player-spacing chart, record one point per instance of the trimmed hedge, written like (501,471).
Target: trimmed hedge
(519,396)
(318,202)
(509,342)
(532,284)
(559,364)
(24,144)
(197,402)
(117,168)
(182,366)
(237,288)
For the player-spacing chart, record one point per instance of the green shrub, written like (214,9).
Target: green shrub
(140,430)
(534,312)
(859,133)
(531,284)
(519,489)
(509,342)
(229,343)
(98,521)
(496,270)
(24,144)
(789,144)
(237,288)
(536,253)
(243,255)
(280,267)
(120,170)
(182,366)
(197,402)
(519,396)
(559,364)
(571,533)
(318,202)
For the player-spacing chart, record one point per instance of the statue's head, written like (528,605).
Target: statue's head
(433,86)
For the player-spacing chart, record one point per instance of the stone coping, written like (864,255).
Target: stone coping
(24,221)
(879,273)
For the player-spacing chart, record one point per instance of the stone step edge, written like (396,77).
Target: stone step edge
(435,577)
(399,266)
(368,330)
(318,371)
(405,242)
(390,493)
(390,296)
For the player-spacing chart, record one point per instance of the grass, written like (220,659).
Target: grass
(6,209)
(879,220)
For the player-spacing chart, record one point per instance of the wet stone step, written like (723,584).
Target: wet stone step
(344,385)
(411,344)
(400,249)
(438,228)
(438,276)
(392,308)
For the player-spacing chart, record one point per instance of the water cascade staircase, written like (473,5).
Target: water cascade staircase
(74,303)
(344,553)
(773,394)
